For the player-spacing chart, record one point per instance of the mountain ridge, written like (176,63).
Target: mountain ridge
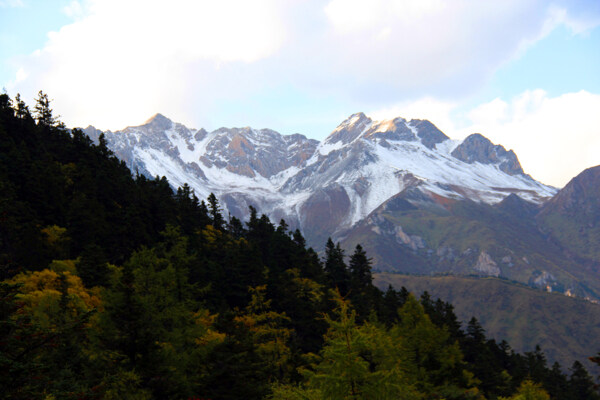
(302,163)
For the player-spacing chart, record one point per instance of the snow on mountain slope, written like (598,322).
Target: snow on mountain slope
(327,186)
(373,161)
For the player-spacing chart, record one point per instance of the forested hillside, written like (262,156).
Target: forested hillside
(565,327)
(116,287)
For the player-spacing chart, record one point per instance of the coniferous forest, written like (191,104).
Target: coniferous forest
(114,286)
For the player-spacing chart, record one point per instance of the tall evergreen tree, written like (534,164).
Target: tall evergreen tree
(434,363)
(335,268)
(581,385)
(362,291)
(43,112)
(22,110)
(215,212)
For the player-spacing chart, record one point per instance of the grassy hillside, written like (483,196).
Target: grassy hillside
(467,238)
(566,328)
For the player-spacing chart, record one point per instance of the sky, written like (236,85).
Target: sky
(524,73)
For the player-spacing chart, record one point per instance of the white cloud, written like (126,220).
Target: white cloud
(21,75)
(429,44)
(123,60)
(491,113)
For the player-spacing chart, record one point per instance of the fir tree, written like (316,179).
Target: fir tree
(362,291)
(215,212)
(335,269)
(43,112)
(581,385)
(22,110)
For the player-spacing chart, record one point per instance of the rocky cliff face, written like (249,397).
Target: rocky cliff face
(248,152)
(477,148)
(246,164)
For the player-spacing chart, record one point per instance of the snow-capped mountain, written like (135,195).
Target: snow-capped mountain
(328,187)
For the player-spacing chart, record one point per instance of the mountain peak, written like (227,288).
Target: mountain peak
(478,148)
(354,118)
(159,121)
(350,129)
(580,195)
(515,205)
(429,134)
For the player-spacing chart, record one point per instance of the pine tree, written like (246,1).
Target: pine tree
(6,106)
(423,349)
(43,112)
(362,291)
(283,227)
(360,270)
(556,383)
(581,385)
(22,110)
(103,146)
(335,269)
(236,228)
(215,212)
(478,353)
(192,215)
(388,311)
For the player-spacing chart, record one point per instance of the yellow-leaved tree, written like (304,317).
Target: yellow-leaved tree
(529,391)
(55,297)
(58,308)
(269,332)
